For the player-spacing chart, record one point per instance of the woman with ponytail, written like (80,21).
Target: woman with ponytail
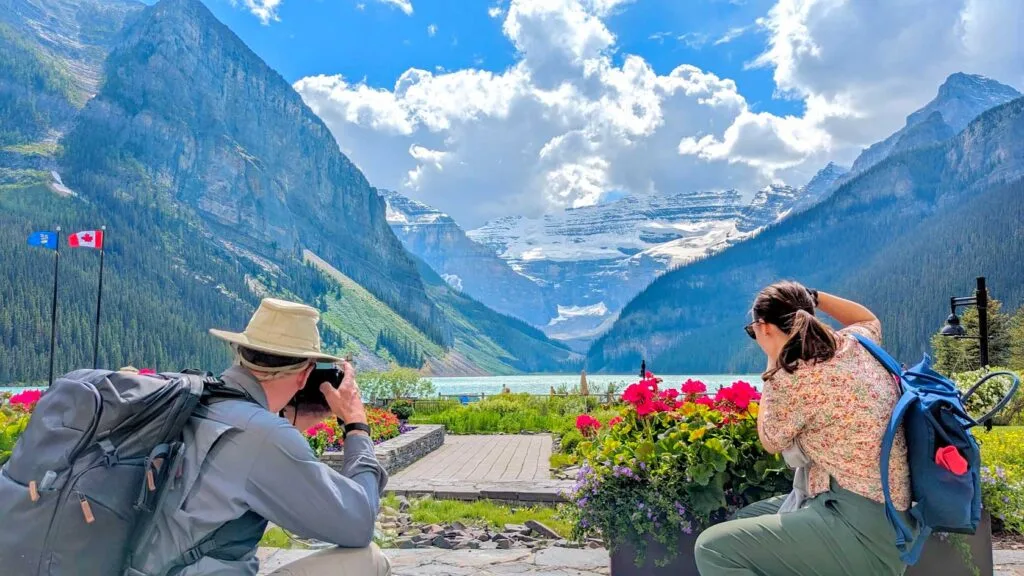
(825,405)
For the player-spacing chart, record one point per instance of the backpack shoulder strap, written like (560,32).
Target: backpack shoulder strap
(903,532)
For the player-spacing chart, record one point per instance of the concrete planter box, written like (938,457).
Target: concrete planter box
(623,558)
(939,557)
(943,557)
(400,452)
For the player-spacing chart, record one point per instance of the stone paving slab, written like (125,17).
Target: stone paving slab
(1008,562)
(435,562)
(492,458)
(548,562)
(538,491)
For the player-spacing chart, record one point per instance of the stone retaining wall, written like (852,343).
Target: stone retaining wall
(400,452)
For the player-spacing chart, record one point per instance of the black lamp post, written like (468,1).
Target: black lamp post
(953,328)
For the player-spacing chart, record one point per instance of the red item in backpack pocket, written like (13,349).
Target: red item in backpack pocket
(949,458)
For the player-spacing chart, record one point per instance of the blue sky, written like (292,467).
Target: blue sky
(532,106)
(375,41)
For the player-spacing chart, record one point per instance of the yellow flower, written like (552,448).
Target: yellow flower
(697,434)
(752,408)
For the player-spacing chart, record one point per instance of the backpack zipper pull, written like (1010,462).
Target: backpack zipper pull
(86,509)
(33,492)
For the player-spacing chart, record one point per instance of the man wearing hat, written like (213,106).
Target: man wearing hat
(245,466)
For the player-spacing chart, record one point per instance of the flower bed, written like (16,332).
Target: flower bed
(673,462)
(15,410)
(327,435)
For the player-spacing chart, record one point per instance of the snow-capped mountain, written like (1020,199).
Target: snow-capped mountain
(820,186)
(593,260)
(960,99)
(467,266)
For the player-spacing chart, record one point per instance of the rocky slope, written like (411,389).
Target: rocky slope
(466,265)
(901,237)
(215,181)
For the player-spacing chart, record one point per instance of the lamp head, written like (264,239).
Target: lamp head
(953,327)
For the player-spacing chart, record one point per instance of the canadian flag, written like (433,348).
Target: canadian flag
(86,239)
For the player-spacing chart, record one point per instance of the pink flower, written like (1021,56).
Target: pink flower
(587,424)
(614,421)
(321,427)
(637,394)
(736,397)
(26,400)
(693,387)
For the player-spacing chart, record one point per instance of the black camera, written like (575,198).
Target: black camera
(310,394)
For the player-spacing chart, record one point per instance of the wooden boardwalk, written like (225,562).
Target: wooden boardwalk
(484,459)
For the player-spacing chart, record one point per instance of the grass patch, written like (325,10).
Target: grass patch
(563,460)
(481,513)
(1003,447)
(34,149)
(514,413)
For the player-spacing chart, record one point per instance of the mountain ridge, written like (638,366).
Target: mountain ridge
(689,319)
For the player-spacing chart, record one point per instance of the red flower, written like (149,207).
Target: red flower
(637,394)
(322,427)
(26,400)
(706,401)
(645,408)
(614,421)
(693,387)
(649,375)
(147,371)
(736,397)
(670,394)
(587,424)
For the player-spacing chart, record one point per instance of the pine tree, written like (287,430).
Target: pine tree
(954,355)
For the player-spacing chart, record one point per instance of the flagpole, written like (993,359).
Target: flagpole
(53,306)
(99,302)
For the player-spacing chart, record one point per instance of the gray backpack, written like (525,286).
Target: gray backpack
(85,478)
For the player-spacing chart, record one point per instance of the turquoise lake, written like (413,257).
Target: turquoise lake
(542,383)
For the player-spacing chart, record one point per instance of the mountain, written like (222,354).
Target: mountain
(51,54)
(591,261)
(823,183)
(960,99)
(902,237)
(467,266)
(218,186)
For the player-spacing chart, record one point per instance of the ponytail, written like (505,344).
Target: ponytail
(810,339)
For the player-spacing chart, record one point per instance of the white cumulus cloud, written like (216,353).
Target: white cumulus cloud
(403,5)
(567,124)
(265,10)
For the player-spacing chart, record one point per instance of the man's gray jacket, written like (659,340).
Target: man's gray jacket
(241,458)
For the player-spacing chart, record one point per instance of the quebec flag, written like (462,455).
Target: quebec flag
(44,239)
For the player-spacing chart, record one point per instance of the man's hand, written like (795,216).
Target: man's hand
(344,400)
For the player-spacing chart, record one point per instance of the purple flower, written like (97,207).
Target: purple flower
(583,501)
(688,528)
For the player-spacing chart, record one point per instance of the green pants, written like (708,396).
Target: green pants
(837,532)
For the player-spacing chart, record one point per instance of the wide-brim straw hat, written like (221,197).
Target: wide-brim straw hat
(282,328)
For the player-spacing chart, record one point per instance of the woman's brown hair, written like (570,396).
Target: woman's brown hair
(790,307)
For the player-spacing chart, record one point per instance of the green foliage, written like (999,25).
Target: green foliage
(403,409)
(990,393)
(12,423)
(1002,456)
(1017,341)
(570,441)
(513,413)
(395,383)
(954,355)
(406,352)
(35,91)
(482,513)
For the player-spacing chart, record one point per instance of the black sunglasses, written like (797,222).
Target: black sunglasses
(749,328)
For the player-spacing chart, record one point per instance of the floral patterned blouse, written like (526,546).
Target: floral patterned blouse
(838,412)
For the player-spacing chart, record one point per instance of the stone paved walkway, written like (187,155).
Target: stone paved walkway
(548,562)
(511,467)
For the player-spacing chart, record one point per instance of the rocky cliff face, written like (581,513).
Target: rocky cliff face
(464,264)
(960,99)
(189,118)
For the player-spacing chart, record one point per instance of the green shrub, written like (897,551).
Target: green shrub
(512,413)
(403,409)
(570,441)
(990,393)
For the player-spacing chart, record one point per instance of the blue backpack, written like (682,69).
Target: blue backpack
(931,410)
